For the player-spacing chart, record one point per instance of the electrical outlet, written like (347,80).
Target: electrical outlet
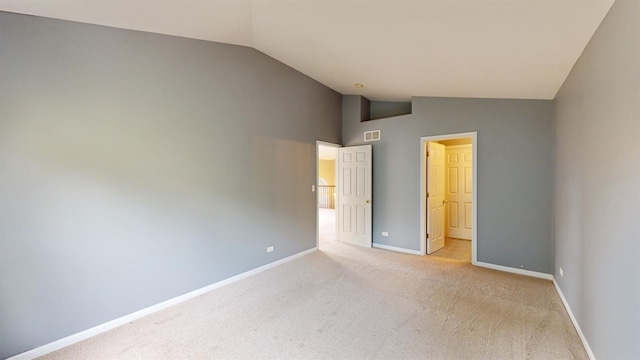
(561,272)
(313,188)
(270,249)
(384,233)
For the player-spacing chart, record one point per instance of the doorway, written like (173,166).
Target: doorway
(343,196)
(448,196)
(326,186)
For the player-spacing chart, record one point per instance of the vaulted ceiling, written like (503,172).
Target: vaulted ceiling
(395,48)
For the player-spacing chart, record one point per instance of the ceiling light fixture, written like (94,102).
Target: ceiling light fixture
(359,86)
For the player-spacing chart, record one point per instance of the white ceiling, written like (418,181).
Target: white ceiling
(396,48)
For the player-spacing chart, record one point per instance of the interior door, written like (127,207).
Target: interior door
(435,196)
(459,191)
(354,195)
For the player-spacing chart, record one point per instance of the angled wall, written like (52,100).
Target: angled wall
(597,186)
(385,109)
(515,150)
(136,167)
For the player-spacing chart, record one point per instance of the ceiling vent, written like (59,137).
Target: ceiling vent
(373,135)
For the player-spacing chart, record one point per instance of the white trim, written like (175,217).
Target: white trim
(514,270)
(423,184)
(398,249)
(83,335)
(337,146)
(574,321)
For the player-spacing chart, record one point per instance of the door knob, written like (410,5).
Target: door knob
(444,202)
(368,201)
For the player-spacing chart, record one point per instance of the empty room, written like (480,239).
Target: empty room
(312,179)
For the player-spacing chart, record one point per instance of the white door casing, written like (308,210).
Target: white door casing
(459,187)
(423,189)
(354,195)
(435,196)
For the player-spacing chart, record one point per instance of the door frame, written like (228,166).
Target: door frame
(336,146)
(423,192)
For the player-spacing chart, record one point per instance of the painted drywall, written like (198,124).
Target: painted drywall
(515,163)
(327,171)
(136,167)
(355,106)
(384,109)
(597,186)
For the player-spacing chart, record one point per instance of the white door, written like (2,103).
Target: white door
(459,191)
(435,197)
(354,195)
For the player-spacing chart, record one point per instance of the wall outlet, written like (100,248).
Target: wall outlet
(561,272)
(313,188)
(270,249)
(384,233)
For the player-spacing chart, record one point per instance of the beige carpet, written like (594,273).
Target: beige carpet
(346,302)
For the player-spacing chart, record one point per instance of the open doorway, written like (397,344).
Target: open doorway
(449,196)
(326,186)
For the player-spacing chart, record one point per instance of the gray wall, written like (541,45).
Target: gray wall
(384,109)
(597,186)
(515,150)
(136,167)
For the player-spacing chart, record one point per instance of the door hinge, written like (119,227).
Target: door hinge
(427,153)
(427,235)
(427,194)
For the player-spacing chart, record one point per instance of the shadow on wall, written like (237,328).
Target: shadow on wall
(373,110)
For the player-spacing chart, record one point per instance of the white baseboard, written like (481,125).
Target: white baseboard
(575,322)
(398,249)
(83,335)
(514,270)
(555,284)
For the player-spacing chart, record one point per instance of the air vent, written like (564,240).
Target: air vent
(373,135)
